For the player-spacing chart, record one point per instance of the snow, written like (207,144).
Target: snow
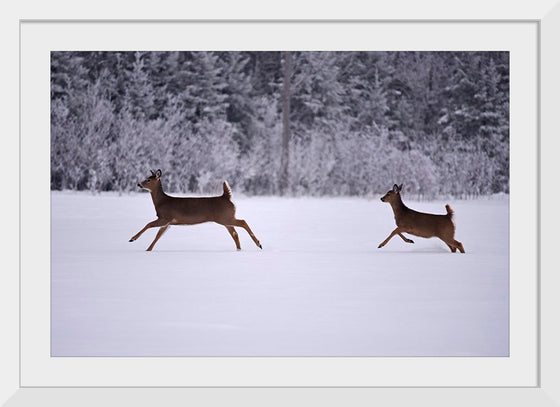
(319,287)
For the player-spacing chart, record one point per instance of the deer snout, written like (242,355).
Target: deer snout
(139,185)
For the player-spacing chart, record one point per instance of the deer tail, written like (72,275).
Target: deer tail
(449,211)
(227,191)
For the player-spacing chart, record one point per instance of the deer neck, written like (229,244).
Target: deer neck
(399,208)
(158,196)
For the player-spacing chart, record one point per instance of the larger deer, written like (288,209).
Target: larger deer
(420,224)
(190,211)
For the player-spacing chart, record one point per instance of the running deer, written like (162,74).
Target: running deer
(190,211)
(420,224)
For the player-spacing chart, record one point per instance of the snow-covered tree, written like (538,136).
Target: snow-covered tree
(438,121)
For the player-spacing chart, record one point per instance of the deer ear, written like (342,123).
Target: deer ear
(396,188)
(158,173)
(400,187)
(153,173)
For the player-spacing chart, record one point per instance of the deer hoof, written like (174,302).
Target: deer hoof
(260,246)
(380,246)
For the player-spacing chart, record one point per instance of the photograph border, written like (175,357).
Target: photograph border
(39,369)
(546,393)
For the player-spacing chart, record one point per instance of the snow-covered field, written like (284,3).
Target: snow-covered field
(319,287)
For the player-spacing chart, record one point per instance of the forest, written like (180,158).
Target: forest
(294,123)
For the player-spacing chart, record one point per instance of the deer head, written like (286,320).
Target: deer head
(392,194)
(152,182)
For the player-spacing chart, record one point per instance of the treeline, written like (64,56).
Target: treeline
(359,121)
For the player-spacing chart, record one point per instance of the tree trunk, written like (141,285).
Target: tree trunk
(285,158)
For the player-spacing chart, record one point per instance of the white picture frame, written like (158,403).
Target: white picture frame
(547,391)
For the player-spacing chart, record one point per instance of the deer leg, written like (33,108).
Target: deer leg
(241,223)
(454,245)
(459,246)
(393,233)
(405,238)
(452,248)
(160,233)
(153,224)
(235,236)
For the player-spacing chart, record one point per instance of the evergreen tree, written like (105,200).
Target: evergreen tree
(139,92)
(203,91)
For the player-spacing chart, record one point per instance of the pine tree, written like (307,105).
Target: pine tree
(286,123)
(317,93)
(139,92)
(240,109)
(203,91)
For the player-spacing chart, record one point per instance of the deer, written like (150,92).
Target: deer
(420,224)
(190,211)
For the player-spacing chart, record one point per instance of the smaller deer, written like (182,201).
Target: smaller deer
(190,211)
(420,224)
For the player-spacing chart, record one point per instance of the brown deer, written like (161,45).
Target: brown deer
(190,211)
(420,224)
